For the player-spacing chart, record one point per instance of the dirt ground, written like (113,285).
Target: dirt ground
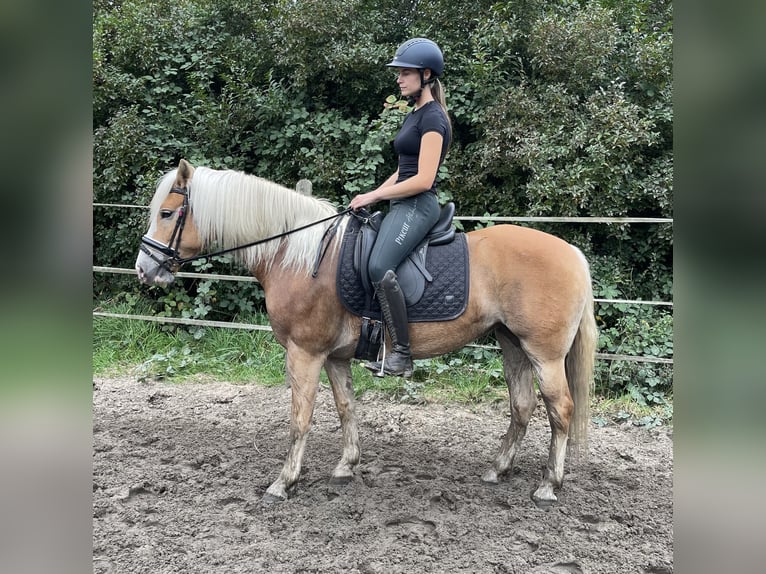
(180,469)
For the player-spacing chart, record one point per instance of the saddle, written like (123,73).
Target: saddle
(433,278)
(412,273)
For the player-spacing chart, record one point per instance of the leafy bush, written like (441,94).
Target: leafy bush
(634,330)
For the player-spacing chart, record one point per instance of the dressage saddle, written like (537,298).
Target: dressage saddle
(412,273)
(434,277)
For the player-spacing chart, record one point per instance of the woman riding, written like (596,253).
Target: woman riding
(421,145)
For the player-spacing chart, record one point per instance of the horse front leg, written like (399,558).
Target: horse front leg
(303,371)
(339,373)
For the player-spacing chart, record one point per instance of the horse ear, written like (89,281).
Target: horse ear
(184,174)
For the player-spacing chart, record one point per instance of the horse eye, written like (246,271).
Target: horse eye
(166,213)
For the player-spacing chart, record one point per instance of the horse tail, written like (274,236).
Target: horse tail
(579,366)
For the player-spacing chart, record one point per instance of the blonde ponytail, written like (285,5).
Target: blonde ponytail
(437,91)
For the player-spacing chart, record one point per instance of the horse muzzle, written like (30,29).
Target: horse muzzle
(156,263)
(154,276)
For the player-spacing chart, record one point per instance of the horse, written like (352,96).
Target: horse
(532,289)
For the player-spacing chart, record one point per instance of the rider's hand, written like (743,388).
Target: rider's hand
(362,200)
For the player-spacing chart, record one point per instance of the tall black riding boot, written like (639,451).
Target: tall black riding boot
(394,308)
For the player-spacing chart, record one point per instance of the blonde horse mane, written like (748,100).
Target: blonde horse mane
(231,208)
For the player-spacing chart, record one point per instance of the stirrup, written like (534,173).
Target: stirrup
(381,368)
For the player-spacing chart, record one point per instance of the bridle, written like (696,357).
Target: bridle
(171,252)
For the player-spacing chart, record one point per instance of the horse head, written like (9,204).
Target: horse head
(172,235)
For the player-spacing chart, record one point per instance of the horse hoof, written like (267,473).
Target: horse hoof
(490,477)
(340,480)
(543,497)
(269,498)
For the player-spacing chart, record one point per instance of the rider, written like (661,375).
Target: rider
(421,145)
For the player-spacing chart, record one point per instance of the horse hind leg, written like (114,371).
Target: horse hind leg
(558,402)
(339,373)
(518,371)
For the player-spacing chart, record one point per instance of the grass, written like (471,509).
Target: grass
(157,351)
(151,350)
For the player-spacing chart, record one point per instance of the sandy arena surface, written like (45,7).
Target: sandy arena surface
(180,469)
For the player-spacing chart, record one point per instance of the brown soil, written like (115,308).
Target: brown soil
(180,469)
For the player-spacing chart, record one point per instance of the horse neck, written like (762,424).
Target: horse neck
(273,270)
(284,285)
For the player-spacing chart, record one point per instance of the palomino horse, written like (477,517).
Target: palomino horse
(531,288)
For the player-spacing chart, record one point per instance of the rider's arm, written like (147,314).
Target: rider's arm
(428,165)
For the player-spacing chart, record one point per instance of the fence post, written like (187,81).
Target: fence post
(303,186)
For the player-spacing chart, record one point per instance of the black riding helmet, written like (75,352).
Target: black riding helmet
(419,53)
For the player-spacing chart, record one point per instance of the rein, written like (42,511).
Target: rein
(172,253)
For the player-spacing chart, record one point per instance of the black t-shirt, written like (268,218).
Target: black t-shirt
(429,118)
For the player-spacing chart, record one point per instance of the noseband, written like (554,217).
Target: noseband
(170,251)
